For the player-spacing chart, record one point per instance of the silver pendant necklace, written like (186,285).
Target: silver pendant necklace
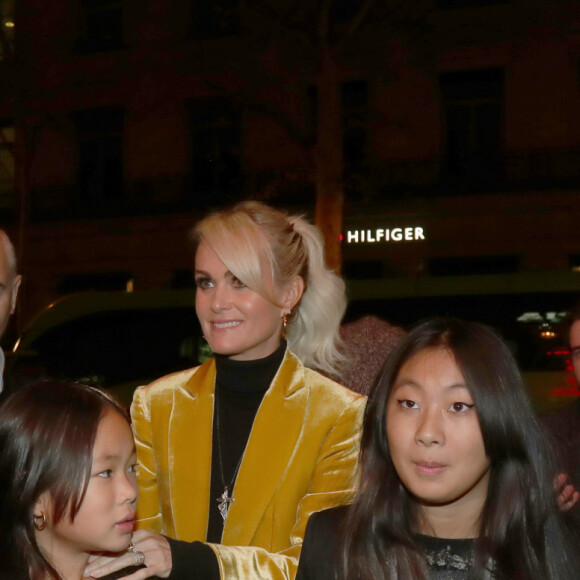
(225,498)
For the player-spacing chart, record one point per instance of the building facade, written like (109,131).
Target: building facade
(456,138)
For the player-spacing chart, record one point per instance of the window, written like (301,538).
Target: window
(216,164)
(343,11)
(354,105)
(7,166)
(101,25)
(215,19)
(473,109)
(100,168)
(7,29)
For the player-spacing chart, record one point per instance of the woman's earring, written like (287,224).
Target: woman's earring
(284,321)
(39,525)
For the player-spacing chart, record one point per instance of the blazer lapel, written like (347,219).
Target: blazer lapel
(276,430)
(190,466)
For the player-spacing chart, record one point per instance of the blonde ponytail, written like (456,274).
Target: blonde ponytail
(251,235)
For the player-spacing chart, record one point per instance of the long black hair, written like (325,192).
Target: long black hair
(47,434)
(521,534)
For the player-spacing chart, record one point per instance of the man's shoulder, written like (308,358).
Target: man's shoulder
(14,381)
(563,423)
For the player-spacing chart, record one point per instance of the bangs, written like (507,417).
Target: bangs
(244,249)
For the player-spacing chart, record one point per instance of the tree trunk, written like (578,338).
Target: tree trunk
(328,159)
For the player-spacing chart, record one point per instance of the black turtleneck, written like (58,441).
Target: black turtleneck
(240,388)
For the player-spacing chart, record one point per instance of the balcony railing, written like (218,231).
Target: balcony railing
(513,171)
(433,177)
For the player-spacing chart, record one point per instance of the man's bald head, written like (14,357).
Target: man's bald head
(575,341)
(9,280)
(8,249)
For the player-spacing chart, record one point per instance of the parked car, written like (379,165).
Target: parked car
(119,340)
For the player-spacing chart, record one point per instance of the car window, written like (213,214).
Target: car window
(117,346)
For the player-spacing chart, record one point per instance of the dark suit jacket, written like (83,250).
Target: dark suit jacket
(13,381)
(563,427)
(321,548)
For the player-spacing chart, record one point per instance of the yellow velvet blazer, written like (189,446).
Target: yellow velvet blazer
(301,457)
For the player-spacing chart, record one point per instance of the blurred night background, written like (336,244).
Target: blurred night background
(435,142)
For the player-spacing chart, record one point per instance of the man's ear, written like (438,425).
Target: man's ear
(293,293)
(15,287)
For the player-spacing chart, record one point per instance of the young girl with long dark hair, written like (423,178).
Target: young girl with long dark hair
(456,474)
(67,481)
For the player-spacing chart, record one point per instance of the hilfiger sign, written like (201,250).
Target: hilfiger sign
(382,235)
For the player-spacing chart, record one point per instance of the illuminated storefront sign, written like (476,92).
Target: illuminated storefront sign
(381,235)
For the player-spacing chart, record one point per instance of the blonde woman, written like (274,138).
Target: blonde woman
(237,453)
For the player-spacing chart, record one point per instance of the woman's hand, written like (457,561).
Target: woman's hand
(156,553)
(567,495)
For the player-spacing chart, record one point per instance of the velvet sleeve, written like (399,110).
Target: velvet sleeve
(333,483)
(148,508)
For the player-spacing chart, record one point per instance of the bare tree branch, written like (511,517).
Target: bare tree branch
(292,128)
(248,101)
(357,20)
(282,21)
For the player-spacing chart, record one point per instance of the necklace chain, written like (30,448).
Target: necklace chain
(225,499)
